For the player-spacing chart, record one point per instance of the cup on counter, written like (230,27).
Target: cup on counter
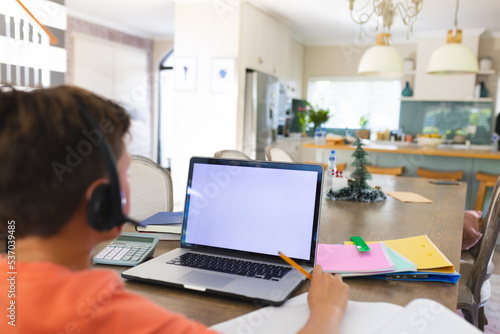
(409,138)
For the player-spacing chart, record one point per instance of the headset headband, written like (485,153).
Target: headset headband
(116,217)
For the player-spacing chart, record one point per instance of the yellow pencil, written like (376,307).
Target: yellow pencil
(295,265)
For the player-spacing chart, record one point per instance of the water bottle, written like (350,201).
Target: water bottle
(332,163)
(318,137)
(494,143)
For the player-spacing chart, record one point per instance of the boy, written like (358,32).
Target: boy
(48,175)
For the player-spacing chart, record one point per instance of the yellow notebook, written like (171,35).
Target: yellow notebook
(421,251)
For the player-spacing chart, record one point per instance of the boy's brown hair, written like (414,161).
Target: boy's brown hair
(48,154)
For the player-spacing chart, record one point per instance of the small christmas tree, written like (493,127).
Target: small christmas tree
(360,174)
(358,189)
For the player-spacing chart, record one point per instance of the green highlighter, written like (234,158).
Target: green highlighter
(360,244)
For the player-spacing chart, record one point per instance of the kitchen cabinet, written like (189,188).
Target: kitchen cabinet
(265,43)
(295,67)
(295,148)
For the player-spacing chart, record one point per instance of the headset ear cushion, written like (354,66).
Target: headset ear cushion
(100,207)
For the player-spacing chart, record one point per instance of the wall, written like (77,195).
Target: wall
(325,61)
(116,65)
(443,87)
(206,121)
(26,58)
(339,61)
(295,70)
(160,49)
(342,61)
(446,116)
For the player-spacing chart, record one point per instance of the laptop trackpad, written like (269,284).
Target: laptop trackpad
(205,280)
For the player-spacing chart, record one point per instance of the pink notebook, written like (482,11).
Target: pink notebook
(347,258)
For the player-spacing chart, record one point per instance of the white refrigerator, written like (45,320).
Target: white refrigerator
(261,117)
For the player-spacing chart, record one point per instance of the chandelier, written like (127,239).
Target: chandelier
(385,10)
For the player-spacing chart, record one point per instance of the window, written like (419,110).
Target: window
(351,98)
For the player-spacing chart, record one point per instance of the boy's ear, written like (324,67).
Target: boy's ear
(92,187)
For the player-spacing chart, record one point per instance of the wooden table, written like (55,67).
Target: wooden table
(442,221)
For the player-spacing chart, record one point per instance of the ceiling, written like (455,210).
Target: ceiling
(313,22)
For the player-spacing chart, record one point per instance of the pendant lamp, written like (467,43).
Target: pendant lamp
(381,59)
(453,57)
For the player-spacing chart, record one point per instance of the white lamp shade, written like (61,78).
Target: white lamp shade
(452,58)
(381,60)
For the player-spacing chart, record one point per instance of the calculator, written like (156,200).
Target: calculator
(129,249)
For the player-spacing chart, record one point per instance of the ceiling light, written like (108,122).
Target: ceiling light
(381,59)
(386,9)
(453,57)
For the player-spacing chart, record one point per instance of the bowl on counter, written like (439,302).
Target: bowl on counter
(429,142)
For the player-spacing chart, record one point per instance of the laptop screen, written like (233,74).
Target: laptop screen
(253,207)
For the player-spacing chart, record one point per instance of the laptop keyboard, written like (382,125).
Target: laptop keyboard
(231,266)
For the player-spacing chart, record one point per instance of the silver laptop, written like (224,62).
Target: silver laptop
(238,215)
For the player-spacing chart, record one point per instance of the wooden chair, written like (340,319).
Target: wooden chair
(396,171)
(440,175)
(150,188)
(485,181)
(474,286)
(342,167)
(276,153)
(231,154)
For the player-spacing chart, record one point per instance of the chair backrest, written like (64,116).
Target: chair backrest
(397,171)
(276,153)
(150,188)
(440,175)
(485,181)
(231,154)
(485,247)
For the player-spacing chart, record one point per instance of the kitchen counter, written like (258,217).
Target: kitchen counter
(477,158)
(459,151)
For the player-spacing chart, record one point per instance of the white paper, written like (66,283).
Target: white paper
(419,316)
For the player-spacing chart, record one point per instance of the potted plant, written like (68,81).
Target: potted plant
(457,136)
(363,133)
(302,117)
(460,136)
(317,115)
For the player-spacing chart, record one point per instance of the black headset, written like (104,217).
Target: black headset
(105,205)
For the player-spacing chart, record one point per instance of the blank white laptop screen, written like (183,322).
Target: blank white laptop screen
(251,209)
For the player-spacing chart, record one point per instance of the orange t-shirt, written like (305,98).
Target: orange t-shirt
(51,299)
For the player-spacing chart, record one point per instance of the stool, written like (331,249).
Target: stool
(342,167)
(440,175)
(396,171)
(485,181)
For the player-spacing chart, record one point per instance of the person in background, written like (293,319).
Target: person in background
(47,177)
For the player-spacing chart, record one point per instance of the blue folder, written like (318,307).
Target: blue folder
(420,276)
(165,218)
